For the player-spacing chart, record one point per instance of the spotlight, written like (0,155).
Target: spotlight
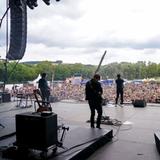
(32,3)
(47,2)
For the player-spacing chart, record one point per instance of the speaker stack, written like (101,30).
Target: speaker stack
(18,31)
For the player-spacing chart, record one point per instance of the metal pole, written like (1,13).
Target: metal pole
(5,61)
(100,62)
(5,74)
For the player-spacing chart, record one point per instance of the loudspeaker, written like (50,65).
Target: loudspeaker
(157,140)
(6,97)
(36,131)
(139,103)
(18,31)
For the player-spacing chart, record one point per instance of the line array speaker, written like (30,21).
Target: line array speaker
(18,31)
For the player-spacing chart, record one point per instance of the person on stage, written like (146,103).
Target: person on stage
(93,92)
(119,89)
(44,88)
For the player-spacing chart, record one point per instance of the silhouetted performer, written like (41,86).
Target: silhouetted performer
(119,88)
(44,88)
(93,93)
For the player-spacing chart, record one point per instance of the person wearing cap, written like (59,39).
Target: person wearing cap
(119,89)
(93,92)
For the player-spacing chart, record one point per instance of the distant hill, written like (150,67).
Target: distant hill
(37,62)
(54,62)
(31,62)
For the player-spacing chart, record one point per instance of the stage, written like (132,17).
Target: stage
(133,139)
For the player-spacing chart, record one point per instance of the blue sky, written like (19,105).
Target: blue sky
(79,31)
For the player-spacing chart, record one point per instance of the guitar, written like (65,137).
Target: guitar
(43,105)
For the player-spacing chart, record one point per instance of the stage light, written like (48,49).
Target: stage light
(47,2)
(32,3)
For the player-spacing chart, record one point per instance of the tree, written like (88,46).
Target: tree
(47,67)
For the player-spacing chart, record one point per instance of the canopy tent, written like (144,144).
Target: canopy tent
(35,81)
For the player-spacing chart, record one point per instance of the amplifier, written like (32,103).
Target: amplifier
(36,131)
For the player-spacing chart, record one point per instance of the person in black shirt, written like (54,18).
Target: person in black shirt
(119,88)
(93,92)
(44,88)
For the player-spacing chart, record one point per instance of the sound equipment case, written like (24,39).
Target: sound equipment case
(36,132)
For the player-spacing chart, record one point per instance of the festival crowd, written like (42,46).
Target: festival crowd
(150,92)
(145,91)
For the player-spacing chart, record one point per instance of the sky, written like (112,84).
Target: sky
(79,31)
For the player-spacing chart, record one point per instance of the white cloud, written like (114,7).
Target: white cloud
(81,30)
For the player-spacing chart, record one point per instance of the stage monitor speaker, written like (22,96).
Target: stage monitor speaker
(157,140)
(18,31)
(139,103)
(35,131)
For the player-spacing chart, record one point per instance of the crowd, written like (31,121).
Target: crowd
(146,91)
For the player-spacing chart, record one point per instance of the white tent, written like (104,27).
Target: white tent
(35,81)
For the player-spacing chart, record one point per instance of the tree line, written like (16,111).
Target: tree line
(23,72)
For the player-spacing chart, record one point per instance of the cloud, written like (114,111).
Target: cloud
(81,30)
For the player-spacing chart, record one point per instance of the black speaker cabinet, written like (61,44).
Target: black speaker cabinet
(157,140)
(6,97)
(18,31)
(35,131)
(139,103)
